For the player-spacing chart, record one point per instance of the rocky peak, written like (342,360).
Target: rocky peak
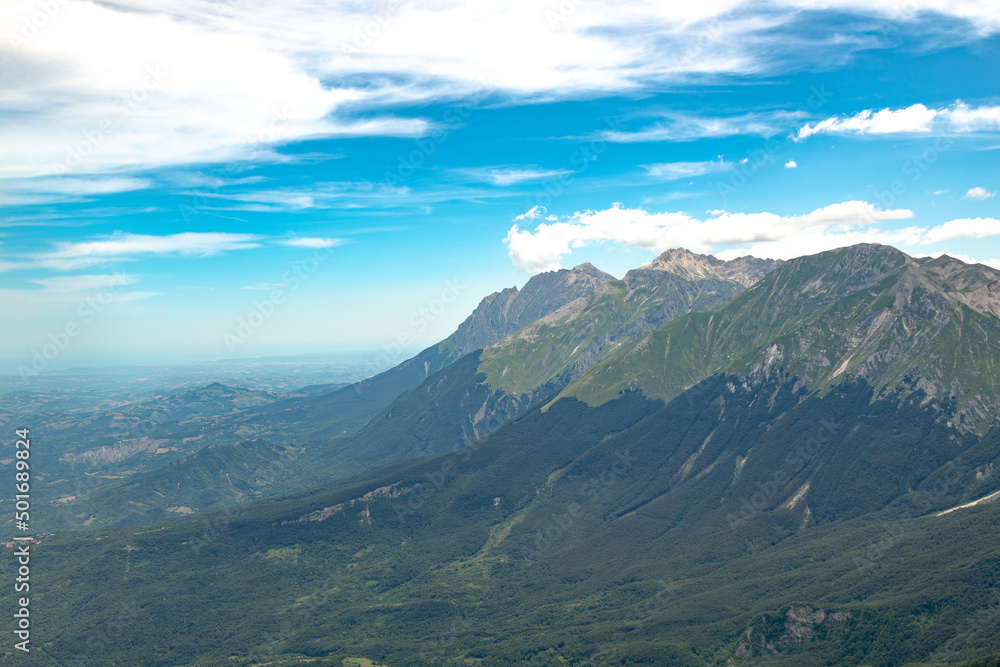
(693,266)
(503,313)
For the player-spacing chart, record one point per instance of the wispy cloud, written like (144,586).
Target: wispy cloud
(311,242)
(761,234)
(85,283)
(958,118)
(254,76)
(71,255)
(50,189)
(534,213)
(670,171)
(351,195)
(686,127)
(506,176)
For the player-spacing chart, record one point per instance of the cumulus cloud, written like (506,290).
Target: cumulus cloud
(978,193)
(729,234)
(791,164)
(533,213)
(669,171)
(974,228)
(915,119)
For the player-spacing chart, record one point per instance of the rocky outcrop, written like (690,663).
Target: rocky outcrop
(689,265)
(798,625)
(502,313)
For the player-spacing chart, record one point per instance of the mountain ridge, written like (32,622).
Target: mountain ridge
(872,313)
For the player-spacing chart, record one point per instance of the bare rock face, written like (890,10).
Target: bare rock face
(868,313)
(976,286)
(800,624)
(502,313)
(743,270)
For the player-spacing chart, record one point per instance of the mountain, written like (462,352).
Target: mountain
(223,445)
(458,404)
(772,511)
(867,312)
(497,315)
(503,313)
(473,397)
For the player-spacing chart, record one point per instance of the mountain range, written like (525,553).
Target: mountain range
(704,463)
(531,343)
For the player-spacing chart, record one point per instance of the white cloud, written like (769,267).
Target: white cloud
(685,127)
(979,193)
(966,119)
(84,283)
(45,190)
(983,15)
(337,195)
(974,228)
(104,86)
(791,164)
(669,171)
(312,242)
(70,255)
(505,176)
(533,213)
(915,119)
(729,234)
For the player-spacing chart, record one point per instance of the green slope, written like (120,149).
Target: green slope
(347,409)
(473,397)
(778,512)
(865,312)
(572,535)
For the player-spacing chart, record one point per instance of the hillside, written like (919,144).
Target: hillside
(213,446)
(349,408)
(574,531)
(454,406)
(861,313)
(764,516)
(472,398)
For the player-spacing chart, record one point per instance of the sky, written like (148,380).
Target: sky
(199,180)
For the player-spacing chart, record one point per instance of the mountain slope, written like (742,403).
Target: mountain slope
(575,532)
(241,461)
(497,315)
(473,397)
(865,312)
(756,515)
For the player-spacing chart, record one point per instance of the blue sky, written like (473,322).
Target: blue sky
(233,179)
